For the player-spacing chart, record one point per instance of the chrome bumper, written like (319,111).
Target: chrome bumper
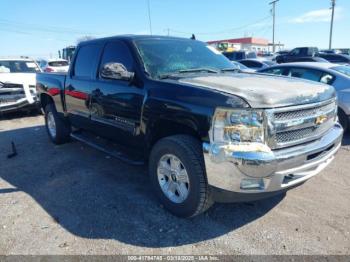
(262,173)
(29,99)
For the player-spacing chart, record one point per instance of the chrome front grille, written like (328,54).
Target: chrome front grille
(294,135)
(309,112)
(10,93)
(300,124)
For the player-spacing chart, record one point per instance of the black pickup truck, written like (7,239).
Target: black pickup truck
(206,131)
(300,54)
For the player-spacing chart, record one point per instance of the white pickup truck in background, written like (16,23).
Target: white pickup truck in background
(17,84)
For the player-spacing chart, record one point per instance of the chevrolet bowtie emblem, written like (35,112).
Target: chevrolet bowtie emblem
(321,119)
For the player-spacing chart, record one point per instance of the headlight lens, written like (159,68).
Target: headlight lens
(231,126)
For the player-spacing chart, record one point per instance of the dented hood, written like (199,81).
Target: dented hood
(19,78)
(264,91)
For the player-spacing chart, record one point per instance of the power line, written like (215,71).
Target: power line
(222,31)
(35,27)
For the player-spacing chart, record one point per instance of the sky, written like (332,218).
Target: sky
(39,28)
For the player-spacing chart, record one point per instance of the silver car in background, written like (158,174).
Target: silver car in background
(332,74)
(54,65)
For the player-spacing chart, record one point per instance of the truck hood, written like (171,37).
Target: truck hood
(264,91)
(19,78)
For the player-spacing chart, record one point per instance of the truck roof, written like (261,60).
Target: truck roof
(131,37)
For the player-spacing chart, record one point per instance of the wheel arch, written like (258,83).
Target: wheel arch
(46,99)
(162,128)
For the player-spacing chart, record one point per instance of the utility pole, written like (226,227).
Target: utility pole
(149,16)
(332,19)
(273,3)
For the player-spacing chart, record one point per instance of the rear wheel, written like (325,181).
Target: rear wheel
(57,129)
(177,173)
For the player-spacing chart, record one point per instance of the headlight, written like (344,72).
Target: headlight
(238,135)
(237,126)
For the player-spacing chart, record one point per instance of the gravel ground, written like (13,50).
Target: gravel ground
(72,199)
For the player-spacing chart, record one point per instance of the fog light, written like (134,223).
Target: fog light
(248,183)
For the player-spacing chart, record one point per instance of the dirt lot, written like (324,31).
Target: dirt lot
(72,199)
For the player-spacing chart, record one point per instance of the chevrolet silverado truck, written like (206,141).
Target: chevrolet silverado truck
(17,85)
(207,132)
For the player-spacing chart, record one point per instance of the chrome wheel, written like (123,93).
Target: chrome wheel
(173,178)
(51,124)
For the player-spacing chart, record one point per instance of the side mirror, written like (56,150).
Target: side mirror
(116,71)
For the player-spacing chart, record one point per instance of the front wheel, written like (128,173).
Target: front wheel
(343,119)
(177,173)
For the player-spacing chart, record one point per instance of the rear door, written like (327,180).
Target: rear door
(78,84)
(116,104)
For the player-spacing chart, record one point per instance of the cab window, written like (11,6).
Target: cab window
(85,64)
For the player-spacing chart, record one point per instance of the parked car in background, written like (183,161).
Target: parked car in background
(264,54)
(335,58)
(344,51)
(242,67)
(332,74)
(330,51)
(207,132)
(54,65)
(257,64)
(17,84)
(299,54)
(239,55)
(278,53)
(282,52)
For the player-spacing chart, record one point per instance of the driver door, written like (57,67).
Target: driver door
(116,104)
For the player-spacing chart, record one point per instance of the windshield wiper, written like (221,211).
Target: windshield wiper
(208,70)
(183,71)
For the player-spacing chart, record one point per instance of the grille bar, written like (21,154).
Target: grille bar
(300,124)
(302,113)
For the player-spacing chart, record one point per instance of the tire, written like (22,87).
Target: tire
(343,119)
(188,151)
(58,130)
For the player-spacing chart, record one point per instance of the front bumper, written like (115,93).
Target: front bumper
(244,173)
(29,101)
(22,104)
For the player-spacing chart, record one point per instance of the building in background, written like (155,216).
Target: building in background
(252,44)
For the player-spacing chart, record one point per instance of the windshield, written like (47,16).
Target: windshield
(342,69)
(169,56)
(58,63)
(18,66)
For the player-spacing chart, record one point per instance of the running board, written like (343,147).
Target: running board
(106,147)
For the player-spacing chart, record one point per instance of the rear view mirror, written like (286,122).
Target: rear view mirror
(116,71)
